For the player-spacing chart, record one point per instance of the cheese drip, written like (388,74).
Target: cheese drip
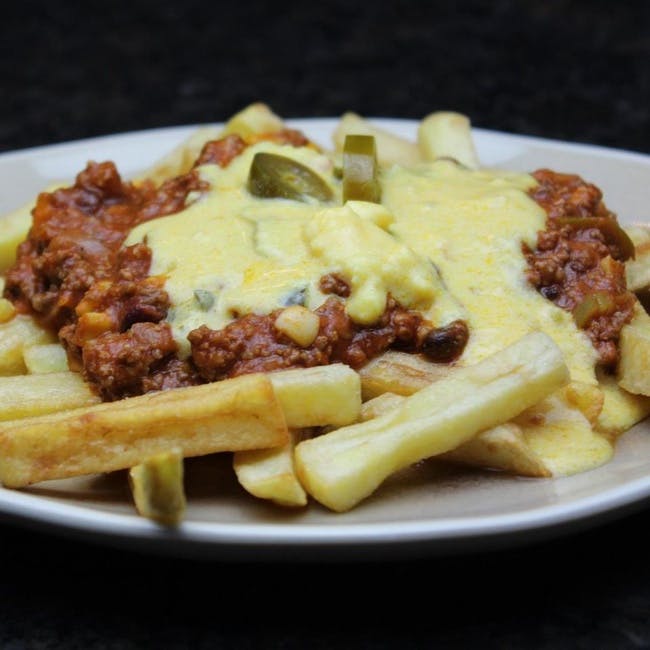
(229,253)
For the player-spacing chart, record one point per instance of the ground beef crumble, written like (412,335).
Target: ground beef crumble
(578,260)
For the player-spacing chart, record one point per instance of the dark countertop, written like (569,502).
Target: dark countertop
(576,70)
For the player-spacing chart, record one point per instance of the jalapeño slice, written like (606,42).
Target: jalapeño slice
(360,169)
(274,176)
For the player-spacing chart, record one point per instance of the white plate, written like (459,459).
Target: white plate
(427,509)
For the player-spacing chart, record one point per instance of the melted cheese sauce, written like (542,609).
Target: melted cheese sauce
(446,241)
(472,225)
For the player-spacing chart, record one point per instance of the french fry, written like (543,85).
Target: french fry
(637,270)
(270,474)
(391,149)
(24,396)
(157,487)
(446,134)
(312,397)
(562,437)
(180,159)
(255,119)
(16,335)
(587,398)
(621,410)
(13,230)
(399,373)
(345,466)
(45,357)
(503,447)
(231,415)
(634,346)
(7,310)
(309,397)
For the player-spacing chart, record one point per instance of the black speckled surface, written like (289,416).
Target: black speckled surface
(576,70)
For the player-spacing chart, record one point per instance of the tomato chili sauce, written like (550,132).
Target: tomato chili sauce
(74,274)
(578,261)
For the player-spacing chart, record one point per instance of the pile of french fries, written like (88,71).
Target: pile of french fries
(328,433)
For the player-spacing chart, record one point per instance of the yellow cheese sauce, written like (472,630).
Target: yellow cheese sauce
(446,241)
(230,253)
(471,225)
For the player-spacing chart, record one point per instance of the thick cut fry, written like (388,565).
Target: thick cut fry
(560,435)
(400,373)
(587,398)
(180,159)
(45,357)
(157,487)
(270,474)
(343,467)
(309,397)
(23,396)
(634,343)
(447,135)
(637,270)
(312,397)
(621,410)
(231,415)
(16,335)
(503,447)
(391,149)
(255,119)
(7,310)
(13,230)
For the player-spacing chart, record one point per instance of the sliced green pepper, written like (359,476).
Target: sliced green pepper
(611,230)
(274,176)
(360,169)
(591,306)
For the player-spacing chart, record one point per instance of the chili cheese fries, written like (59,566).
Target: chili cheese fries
(330,316)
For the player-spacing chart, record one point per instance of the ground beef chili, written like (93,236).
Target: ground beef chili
(75,275)
(253,344)
(578,261)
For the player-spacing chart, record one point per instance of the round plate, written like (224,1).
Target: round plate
(427,509)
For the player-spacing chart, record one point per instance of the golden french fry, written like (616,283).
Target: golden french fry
(180,160)
(256,118)
(587,398)
(562,437)
(391,149)
(400,373)
(7,310)
(309,397)
(157,487)
(447,134)
(270,474)
(634,346)
(231,415)
(502,447)
(45,357)
(16,335)
(345,466)
(13,230)
(621,410)
(637,270)
(312,397)
(24,396)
